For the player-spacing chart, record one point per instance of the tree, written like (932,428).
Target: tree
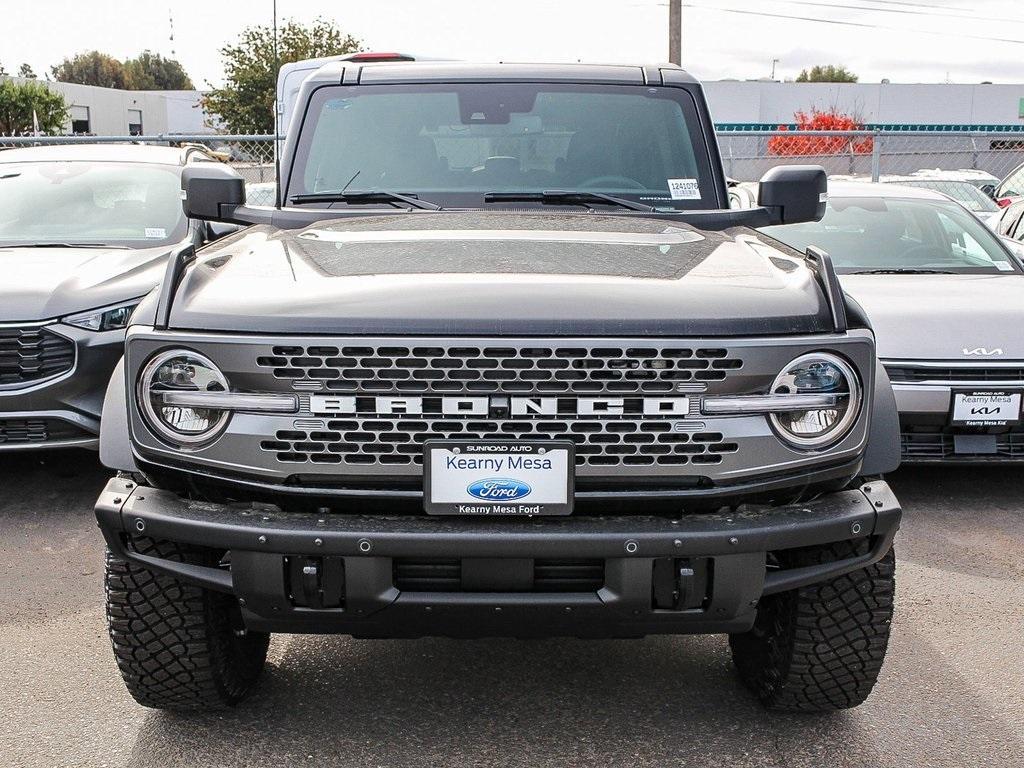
(91,68)
(246,102)
(26,71)
(18,101)
(152,72)
(827,73)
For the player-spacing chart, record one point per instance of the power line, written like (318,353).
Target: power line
(862,25)
(904,11)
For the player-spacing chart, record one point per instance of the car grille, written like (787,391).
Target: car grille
(31,354)
(494,369)
(549,575)
(907,374)
(603,442)
(939,445)
(28,431)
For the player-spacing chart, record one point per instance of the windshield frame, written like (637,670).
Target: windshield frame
(694,115)
(980,233)
(142,243)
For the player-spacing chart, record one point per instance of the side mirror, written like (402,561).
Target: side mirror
(989,189)
(211,189)
(794,193)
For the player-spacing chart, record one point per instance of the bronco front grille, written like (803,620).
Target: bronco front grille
(496,369)
(605,442)
(32,354)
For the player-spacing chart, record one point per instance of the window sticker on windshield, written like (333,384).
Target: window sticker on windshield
(1003,266)
(684,189)
(156,232)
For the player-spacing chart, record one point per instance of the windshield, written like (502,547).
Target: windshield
(870,233)
(454,143)
(126,204)
(968,195)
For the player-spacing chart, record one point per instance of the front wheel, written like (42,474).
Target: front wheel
(820,648)
(179,646)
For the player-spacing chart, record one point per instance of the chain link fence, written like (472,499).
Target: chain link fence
(983,157)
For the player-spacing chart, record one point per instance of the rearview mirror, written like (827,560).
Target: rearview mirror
(212,191)
(989,189)
(794,193)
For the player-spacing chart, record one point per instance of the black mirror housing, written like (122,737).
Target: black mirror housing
(210,188)
(794,193)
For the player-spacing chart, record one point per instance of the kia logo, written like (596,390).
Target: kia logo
(499,489)
(983,351)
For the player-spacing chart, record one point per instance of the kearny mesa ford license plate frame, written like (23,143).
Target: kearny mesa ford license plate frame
(450,477)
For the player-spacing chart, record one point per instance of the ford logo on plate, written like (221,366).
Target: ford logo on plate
(499,489)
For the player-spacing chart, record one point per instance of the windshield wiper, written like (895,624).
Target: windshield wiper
(365,196)
(902,271)
(62,245)
(556,196)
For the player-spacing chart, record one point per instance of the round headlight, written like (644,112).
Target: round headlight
(180,370)
(817,373)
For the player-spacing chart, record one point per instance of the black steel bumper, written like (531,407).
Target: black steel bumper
(697,573)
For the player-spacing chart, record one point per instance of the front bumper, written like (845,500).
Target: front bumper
(926,436)
(63,411)
(369,575)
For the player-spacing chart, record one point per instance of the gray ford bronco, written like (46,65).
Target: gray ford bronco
(499,362)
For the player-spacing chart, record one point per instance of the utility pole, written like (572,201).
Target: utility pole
(675,31)
(774,62)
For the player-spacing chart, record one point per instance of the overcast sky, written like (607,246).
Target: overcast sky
(904,40)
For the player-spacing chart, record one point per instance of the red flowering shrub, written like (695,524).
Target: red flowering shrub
(822,145)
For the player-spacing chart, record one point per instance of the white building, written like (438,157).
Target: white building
(757,103)
(113,112)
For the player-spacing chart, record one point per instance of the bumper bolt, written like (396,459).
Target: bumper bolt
(677,543)
(364,545)
(140,525)
(318,542)
(632,547)
(733,540)
(879,504)
(262,539)
(855,528)
(117,499)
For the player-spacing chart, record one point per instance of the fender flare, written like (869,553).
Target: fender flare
(115,441)
(883,450)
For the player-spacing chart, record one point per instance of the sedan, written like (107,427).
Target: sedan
(945,296)
(85,232)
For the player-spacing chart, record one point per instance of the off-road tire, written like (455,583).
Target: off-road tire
(820,647)
(179,646)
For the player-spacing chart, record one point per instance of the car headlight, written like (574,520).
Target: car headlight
(181,371)
(105,319)
(817,373)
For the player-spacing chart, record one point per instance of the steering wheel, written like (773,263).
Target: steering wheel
(596,181)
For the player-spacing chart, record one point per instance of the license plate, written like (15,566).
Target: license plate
(986,408)
(497,478)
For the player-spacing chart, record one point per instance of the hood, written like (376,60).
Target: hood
(47,283)
(937,317)
(501,274)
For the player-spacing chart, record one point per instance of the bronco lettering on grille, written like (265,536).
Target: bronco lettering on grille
(328,405)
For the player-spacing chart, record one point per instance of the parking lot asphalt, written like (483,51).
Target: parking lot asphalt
(951,692)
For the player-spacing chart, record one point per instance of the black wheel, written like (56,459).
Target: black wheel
(179,646)
(821,647)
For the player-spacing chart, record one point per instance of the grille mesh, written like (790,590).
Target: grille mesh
(32,354)
(604,442)
(905,374)
(493,369)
